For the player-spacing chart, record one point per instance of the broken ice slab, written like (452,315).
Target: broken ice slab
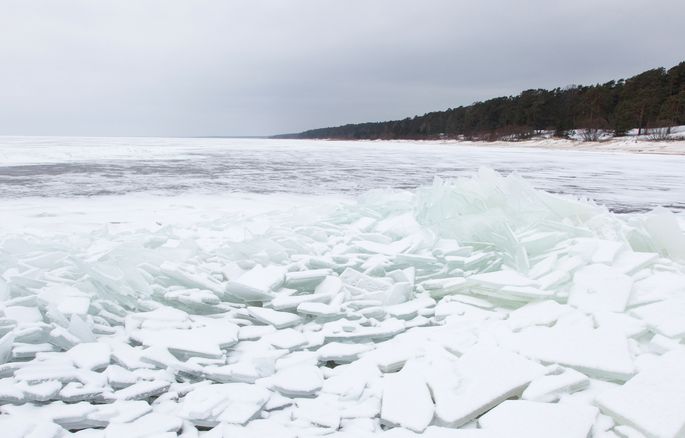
(385,330)
(449,247)
(441,287)
(471,301)
(406,399)
(119,377)
(128,356)
(318,309)
(666,234)
(24,351)
(254,332)
(306,280)
(72,416)
(188,276)
(410,309)
(416,260)
(330,285)
(251,366)
(470,262)
(629,262)
(488,376)
(290,302)
(354,381)
(543,266)
(26,426)
(515,293)
(273,317)
(205,341)
(601,352)
(536,242)
(257,284)
(455,310)
(38,372)
(391,356)
(11,392)
(142,390)
(254,429)
(196,299)
(356,279)
(81,329)
(498,279)
(161,317)
(622,322)
(665,317)
(322,411)
(554,279)
(398,293)
(74,392)
(152,424)
(23,315)
(286,339)
(659,285)
(653,401)
(39,392)
(297,358)
(119,412)
(537,313)
(298,381)
(90,356)
(6,344)
(235,403)
(606,251)
(539,420)
(67,299)
(342,352)
(440,370)
(507,285)
(599,287)
(387,248)
(559,381)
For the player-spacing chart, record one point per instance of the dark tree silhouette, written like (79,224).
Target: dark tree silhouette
(649,100)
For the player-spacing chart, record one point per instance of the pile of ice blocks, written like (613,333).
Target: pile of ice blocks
(472,308)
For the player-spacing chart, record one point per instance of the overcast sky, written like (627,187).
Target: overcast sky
(259,67)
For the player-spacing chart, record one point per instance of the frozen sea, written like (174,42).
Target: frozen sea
(61,167)
(198,288)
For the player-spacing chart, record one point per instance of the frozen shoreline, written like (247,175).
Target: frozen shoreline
(619,145)
(63,167)
(614,145)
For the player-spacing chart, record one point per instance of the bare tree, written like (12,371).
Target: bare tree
(591,134)
(659,134)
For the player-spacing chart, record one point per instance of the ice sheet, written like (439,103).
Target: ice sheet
(415,312)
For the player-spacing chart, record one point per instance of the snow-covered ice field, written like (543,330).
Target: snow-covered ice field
(257,288)
(51,167)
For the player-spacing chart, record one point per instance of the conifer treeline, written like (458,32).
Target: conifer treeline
(655,98)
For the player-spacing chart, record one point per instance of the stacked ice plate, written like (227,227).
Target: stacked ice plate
(472,308)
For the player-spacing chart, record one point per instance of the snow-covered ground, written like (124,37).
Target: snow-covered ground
(474,307)
(651,141)
(619,144)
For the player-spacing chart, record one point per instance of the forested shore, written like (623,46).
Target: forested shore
(652,101)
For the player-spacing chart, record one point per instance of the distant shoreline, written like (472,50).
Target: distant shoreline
(630,145)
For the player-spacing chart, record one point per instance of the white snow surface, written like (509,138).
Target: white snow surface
(475,307)
(607,172)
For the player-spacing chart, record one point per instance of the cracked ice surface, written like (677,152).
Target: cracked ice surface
(470,308)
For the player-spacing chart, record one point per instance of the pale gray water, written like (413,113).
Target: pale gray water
(77,167)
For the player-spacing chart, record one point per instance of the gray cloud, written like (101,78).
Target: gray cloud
(253,67)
